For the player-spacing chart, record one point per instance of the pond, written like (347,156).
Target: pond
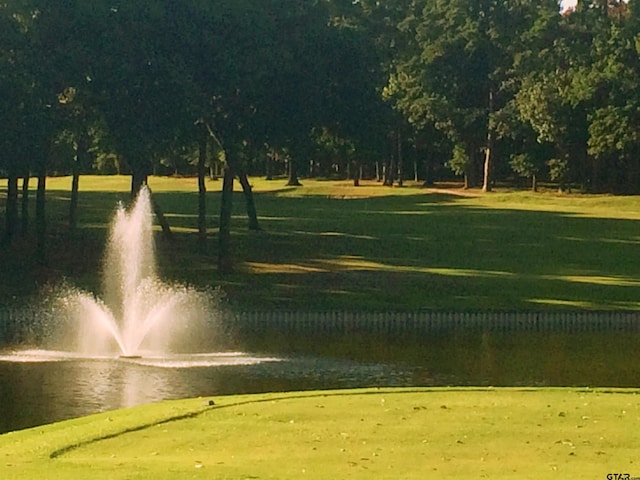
(39,387)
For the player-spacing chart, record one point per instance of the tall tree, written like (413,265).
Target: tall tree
(262,81)
(141,82)
(12,75)
(32,74)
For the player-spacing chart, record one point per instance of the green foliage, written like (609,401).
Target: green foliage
(267,74)
(559,170)
(516,80)
(611,132)
(108,164)
(542,109)
(460,160)
(583,96)
(523,164)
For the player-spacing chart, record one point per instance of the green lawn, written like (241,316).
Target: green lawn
(381,434)
(328,245)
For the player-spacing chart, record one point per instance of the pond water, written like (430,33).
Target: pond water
(39,387)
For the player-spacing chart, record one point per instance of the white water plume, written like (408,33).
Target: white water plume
(137,313)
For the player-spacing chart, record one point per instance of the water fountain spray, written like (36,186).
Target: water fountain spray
(136,310)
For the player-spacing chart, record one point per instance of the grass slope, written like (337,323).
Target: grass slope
(391,433)
(329,245)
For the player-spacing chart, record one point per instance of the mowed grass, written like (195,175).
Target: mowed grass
(382,434)
(329,245)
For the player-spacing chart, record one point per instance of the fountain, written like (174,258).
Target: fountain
(138,314)
(141,340)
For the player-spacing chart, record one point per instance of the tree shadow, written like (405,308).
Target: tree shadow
(401,252)
(436,251)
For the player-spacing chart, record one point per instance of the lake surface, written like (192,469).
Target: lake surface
(38,387)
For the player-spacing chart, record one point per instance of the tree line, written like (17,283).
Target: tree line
(486,90)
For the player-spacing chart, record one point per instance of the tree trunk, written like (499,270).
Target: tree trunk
(251,205)
(633,173)
(11,215)
(357,173)
(73,204)
(269,166)
(428,177)
(82,147)
(400,160)
(488,151)
(162,220)
(388,172)
(41,221)
(293,180)
(486,182)
(472,166)
(202,188)
(312,170)
(225,262)
(595,176)
(25,204)
(534,183)
(138,179)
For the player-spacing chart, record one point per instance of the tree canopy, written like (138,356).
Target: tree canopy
(485,89)
(484,76)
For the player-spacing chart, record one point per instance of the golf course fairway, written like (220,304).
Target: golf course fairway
(367,433)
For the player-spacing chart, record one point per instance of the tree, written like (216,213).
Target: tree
(611,86)
(580,95)
(141,83)
(31,76)
(14,90)
(264,72)
(368,44)
(203,142)
(452,73)
(64,32)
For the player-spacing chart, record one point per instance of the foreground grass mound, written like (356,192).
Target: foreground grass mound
(373,433)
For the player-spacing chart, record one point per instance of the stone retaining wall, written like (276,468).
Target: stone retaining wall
(415,323)
(431,322)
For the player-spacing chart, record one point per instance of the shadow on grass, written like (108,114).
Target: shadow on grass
(400,252)
(438,251)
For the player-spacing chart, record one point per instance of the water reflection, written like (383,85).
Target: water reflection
(133,385)
(40,387)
